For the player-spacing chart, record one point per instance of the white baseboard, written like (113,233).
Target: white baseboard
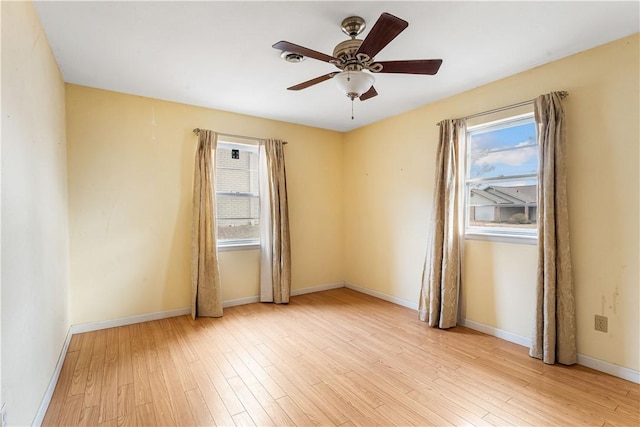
(318,288)
(380,295)
(239,301)
(122,321)
(48,394)
(499,333)
(294,292)
(584,360)
(609,368)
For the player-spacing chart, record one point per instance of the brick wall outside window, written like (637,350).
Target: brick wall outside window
(237,216)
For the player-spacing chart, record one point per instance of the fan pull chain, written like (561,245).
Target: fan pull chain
(351,108)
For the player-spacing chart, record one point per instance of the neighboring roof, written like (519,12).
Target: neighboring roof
(512,195)
(525,193)
(489,196)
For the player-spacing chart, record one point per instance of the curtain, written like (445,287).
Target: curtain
(554,336)
(275,250)
(441,275)
(206,298)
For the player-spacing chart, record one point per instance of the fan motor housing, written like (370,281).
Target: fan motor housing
(347,47)
(345,52)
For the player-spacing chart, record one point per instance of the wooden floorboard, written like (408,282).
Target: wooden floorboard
(337,357)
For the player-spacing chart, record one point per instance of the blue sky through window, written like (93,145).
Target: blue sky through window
(503,152)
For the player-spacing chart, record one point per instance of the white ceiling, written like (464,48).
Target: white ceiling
(218,54)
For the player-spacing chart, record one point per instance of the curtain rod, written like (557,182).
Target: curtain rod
(563,94)
(230,135)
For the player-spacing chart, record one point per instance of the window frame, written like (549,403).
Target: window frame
(237,244)
(499,233)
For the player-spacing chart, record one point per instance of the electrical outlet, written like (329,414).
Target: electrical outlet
(601,323)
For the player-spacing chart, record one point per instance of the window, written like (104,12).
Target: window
(237,194)
(501,182)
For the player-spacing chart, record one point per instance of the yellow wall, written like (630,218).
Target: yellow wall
(389,179)
(35,251)
(130,189)
(359,205)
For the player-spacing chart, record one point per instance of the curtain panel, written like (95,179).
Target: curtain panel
(275,247)
(206,296)
(554,336)
(441,275)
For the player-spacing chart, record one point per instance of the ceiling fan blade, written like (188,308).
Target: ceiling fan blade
(369,94)
(386,28)
(294,48)
(312,82)
(418,66)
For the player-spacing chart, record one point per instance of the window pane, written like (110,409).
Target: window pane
(507,149)
(237,175)
(501,177)
(500,137)
(247,157)
(230,230)
(237,189)
(237,207)
(236,181)
(238,217)
(508,204)
(504,163)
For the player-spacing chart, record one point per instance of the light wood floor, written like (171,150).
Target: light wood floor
(330,358)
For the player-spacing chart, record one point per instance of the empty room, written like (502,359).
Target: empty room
(320,213)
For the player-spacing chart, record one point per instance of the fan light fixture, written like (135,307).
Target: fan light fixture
(354,83)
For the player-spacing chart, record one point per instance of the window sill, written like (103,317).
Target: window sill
(504,238)
(238,247)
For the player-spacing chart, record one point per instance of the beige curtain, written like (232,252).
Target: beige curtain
(275,265)
(206,298)
(442,267)
(554,336)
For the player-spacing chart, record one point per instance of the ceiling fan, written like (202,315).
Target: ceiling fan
(355,58)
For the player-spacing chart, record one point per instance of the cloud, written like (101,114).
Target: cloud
(488,142)
(524,143)
(509,157)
